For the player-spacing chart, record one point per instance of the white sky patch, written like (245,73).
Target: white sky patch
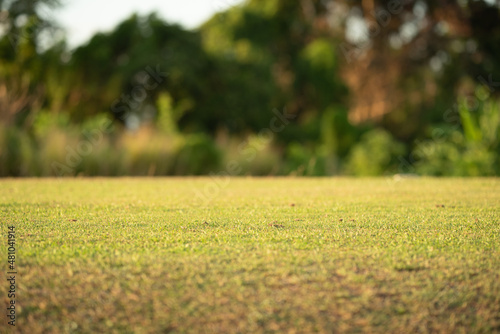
(83,18)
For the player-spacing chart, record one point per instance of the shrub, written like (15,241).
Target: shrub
(17,153)
(472,150)
(376,154)
(197,155)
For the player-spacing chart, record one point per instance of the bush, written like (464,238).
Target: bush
(148,152)
(376,154)
(472,150)
(17,153)
(302,160)
(197,155)
(94,148)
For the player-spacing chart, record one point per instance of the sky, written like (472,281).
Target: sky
(81,19)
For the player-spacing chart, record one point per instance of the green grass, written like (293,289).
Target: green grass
(263,255)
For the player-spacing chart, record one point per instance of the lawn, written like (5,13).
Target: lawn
(253,255)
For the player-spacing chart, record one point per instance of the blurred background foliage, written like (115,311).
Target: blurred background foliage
(269,87)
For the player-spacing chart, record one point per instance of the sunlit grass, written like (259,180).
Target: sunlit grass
(255,255)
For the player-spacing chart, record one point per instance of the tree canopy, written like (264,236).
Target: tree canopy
(340,68)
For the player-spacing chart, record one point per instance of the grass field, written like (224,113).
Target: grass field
(260,255)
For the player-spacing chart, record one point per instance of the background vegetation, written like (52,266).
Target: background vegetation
(271,87)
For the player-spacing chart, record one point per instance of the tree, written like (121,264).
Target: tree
(22,23)
(406,60)
(287,44)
